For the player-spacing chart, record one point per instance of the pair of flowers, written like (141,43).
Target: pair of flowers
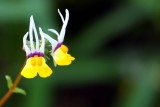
(36,63)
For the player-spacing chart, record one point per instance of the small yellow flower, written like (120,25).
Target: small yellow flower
(35,63)
(59,51)
(61,56)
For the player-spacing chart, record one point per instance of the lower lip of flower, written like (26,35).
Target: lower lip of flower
(36,53)
(58,45)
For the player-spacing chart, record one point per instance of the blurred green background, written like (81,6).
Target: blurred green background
(116,44)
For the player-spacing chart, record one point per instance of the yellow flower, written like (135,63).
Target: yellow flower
(59,52)
(61,56)
(36,65)
(35,54)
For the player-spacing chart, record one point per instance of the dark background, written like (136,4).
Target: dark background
(116,44)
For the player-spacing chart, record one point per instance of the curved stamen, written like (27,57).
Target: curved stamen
(51,40)
(43,41)
(63,30)
(61,15)
(31,35)
(54,31)
(28,51)
(35,32)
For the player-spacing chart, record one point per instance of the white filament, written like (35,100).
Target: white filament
(31,48)
(31,36)
(54,31)
(61,15)
(51,40)
(32,30)
(35,33)
(43,40)
(63,30)
(28,51)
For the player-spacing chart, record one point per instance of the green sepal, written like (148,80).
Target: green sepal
(55,64)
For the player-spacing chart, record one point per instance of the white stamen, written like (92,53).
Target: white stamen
(28,51)
(63,30)
(53,31)
(51,40)
(31,35)
(33,27)
(61,15)
(43,40)
(27,42)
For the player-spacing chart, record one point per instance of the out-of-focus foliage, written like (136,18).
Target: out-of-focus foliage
(115,43)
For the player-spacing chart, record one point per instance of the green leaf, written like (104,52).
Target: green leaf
(17,89)
(9,81)
(20,91)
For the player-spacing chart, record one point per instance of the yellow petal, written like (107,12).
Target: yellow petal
(36,65)
(65,60)
(29,69)
(64,48)
(43,70)
(61,57)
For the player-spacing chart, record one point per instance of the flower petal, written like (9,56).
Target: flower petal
(43,69)
(29,69)
(36,65)
(64,48)
(61,57)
